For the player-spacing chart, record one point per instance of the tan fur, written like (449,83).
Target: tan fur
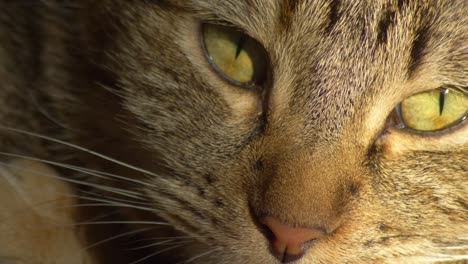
(130,81)
(37,217)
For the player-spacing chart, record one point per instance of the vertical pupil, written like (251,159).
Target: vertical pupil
(240,45)
(442,101)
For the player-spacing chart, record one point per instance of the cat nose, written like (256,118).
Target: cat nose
(288,242)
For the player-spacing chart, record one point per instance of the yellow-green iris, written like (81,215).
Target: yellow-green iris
(434,110)
(235,55)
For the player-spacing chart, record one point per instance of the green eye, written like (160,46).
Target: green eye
(434,110)
(235,56)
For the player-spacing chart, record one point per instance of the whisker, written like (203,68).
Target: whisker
(102,216)
(86,150)
(164,242)
(104,205)
(109,205)
(155,254)
(200,255)
(123,192)
(98,174)
(58,164)
(133,232)
(43,111)
(159,238)
(114,198)
(6,174)
(94,221)
(122,222)
(114,203)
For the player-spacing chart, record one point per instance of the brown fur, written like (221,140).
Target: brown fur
(128,79)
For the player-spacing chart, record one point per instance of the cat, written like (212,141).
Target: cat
(38,226)
(241,131)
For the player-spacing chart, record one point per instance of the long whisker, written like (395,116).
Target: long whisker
(114,203)
(5,174)
(159,238)
(98,174)
(108,205)
(164,242)
(200,255)
(114,198)
(86,150)
(122,222)
(58,164)
(94,221)
(99,187)
(102,216)
(117,237)
(155,254)
(36,207)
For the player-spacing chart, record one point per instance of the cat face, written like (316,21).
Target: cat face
(318,146)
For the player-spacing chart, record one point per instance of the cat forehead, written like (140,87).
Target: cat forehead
(348,22)
(247,12)
(342,54)
(330,57)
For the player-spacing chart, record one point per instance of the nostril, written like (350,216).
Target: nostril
(288,242)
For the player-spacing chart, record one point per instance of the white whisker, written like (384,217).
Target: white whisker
(117,204)
(159,238)
(200,255)
(58,164)
(116,237)
(127,193)
(114,198)
(155,254)
(7,175)
(168,242)
(86,150)
(123,222)
(97,174)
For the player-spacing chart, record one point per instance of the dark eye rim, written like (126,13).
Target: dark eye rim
(255,84)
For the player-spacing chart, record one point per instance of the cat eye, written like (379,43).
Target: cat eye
(236,57)
(434,110)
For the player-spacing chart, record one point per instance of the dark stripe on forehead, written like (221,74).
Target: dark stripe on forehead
(334,15)
(287,12)
(418,49)
(388,19)
(422,34)
(402,3)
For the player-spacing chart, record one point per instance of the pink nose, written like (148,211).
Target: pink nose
(288,242)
